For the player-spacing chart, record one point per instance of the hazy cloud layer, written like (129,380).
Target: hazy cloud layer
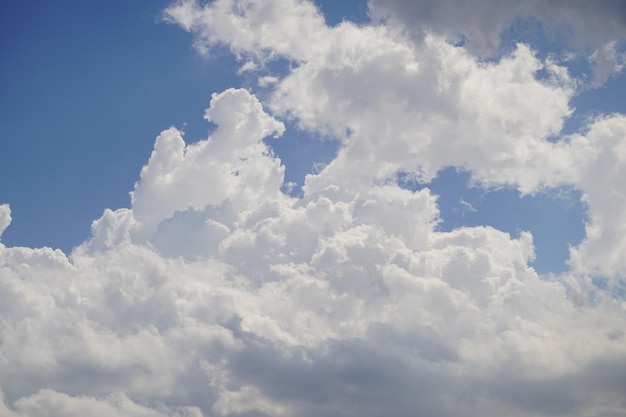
(215,294)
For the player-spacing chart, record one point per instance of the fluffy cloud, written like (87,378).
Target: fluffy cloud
(600,158)
(215,294)
(260,29)
(344,302)
(422,102)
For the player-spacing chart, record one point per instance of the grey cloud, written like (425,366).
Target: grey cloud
(594,29)
(582,23)
(373,377)
(348,378)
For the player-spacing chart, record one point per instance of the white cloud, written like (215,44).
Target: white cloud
(598,170)
(255,28)
(607,61)
(267,81)
(430,107)
(233,164)
(5,217)
(215,294)
(466,207)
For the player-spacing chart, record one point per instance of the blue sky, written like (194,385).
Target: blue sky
(87,87)
(235,208)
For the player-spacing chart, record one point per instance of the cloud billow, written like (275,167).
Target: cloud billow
(216,294)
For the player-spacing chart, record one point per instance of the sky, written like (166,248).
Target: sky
(296,208)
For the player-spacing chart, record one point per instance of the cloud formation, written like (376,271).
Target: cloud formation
(216,294)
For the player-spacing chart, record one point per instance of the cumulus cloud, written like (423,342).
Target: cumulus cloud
(216,294)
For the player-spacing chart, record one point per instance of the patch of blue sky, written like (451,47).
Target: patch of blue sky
(302,152)
(555,217)
(335,12)
(594,102)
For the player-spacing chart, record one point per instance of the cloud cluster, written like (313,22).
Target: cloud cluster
(216,294)
(401,106)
